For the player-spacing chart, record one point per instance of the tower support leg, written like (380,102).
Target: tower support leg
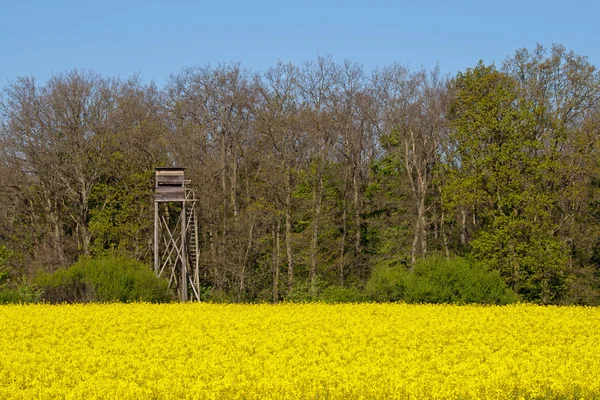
(184,278)
(156,240)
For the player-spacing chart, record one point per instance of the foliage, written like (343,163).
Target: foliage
(4,274)
(213,295)
(320,173)
(120,219)
(503,175)
(5,256)
(583,287)
(387,283)
(531,260)
(342,294)
(21,293)
(387,230)
(304,292)
(436,279)
(109,278)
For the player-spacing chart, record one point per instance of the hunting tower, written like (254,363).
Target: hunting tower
(176,232)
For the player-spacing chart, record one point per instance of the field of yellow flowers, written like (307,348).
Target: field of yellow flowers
(290,351)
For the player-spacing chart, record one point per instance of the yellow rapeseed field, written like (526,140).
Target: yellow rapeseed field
(298,351)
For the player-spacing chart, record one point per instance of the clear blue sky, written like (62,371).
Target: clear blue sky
(159,38)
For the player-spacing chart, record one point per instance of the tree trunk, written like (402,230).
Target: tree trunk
(344,230)
(357,210)
(419,233)
(443,234)
(463,226)
(222,251)
(423,218)
(276,259)
(215,260)
(288,234)
(57,240)
(234,167)
(314,248)
(83,216)
(415,242)
(246,256)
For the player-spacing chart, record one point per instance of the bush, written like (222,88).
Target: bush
(302,293)
(339,294)
(110,278)
(22,294)
(213,295)
(387,283)
(436,279)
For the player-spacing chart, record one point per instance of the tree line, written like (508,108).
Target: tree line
(309,176)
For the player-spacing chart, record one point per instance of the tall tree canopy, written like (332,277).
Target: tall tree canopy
(500,176)
(308,176)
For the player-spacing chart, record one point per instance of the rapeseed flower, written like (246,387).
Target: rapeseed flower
(298,351)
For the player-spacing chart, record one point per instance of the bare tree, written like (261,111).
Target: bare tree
(212,113)
(57,134)
(316,83)
(353,110)
(414,109)
(284,141)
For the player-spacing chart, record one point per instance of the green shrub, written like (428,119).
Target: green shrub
(110,278)
(303,293)
(339,294)
(15,293)
(213,295)
(20,295)
(387,283)
(437,279)
(4,276)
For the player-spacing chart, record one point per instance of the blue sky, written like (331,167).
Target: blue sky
(159,38)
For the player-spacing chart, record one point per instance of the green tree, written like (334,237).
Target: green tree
(500,174)
(567,86)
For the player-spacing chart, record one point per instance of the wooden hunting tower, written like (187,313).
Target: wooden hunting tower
(176,232)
